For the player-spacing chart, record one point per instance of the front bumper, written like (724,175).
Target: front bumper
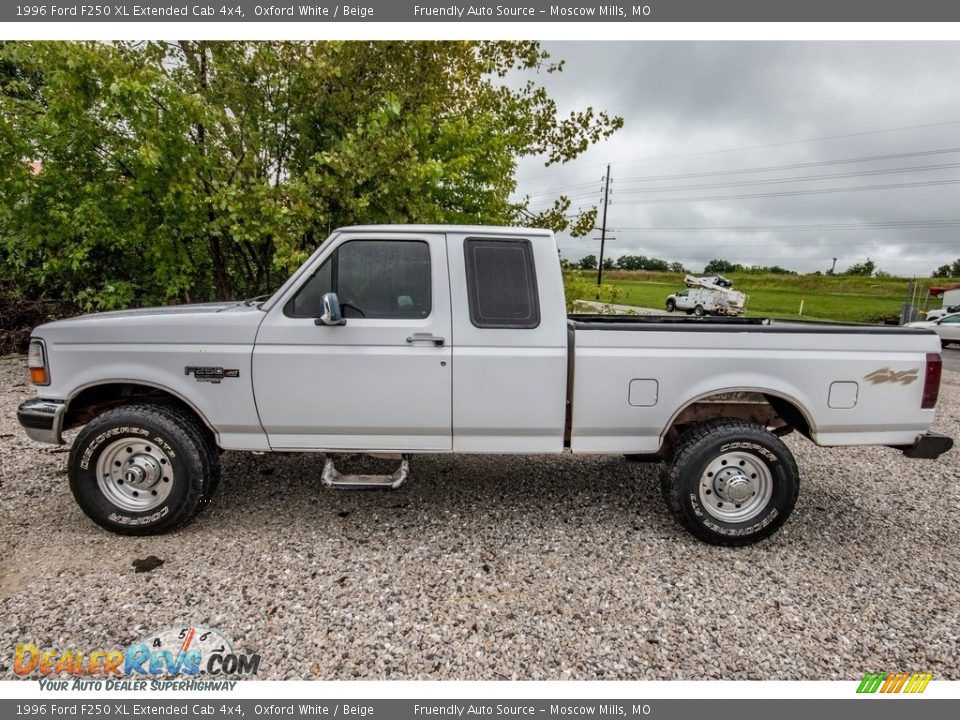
(928,446)
(42,420)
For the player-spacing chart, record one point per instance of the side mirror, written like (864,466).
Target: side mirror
(331,311)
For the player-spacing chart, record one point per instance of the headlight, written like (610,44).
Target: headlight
(37,362)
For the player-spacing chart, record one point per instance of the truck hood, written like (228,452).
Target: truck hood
(206,323)
(196,308)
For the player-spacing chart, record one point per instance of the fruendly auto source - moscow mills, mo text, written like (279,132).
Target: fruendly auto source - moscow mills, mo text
(331,11)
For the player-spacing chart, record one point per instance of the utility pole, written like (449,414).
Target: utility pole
(603,226)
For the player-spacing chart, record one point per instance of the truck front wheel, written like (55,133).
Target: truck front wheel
(671,305)
(730,482)
(142,469)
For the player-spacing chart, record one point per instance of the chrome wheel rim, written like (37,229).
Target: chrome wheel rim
(134,474)
(736,487)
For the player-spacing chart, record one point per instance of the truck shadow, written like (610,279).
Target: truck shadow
(517,494)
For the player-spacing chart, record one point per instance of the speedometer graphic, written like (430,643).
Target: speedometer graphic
(191,650)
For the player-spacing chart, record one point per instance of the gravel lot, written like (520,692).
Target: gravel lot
(491,568)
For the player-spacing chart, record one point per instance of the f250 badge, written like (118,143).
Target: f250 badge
(210,374)
(886,375)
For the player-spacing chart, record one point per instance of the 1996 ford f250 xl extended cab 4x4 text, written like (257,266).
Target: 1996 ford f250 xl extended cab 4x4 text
(439,339)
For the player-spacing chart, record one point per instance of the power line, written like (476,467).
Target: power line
(882,225)
(852,244)
(767,168)
(800,178)
(797,166)
(798,142)
(757,147)
(789,193)
(748,196)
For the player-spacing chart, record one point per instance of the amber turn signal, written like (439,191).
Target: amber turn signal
(38,376)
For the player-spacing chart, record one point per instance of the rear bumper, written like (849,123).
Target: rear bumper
(928,446)
(42,420)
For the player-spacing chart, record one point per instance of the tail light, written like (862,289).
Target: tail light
(931,381)
(37,363)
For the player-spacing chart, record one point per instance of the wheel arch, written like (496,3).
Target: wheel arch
(722,402)
(90,400)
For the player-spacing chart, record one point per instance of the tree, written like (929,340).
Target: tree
(948,271)
(641,262)
(677,267)
(864,269)
(588,263)
(718,266)
(193,170)
(608,263)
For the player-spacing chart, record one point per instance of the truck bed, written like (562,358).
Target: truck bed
(630,376)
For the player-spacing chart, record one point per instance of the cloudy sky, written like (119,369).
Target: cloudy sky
(775,125)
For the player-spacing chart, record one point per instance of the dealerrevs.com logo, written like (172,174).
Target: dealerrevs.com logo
(155,662)
(910,683)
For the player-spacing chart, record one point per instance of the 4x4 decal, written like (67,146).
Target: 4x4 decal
(886,375)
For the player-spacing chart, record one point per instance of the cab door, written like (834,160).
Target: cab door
(381,381)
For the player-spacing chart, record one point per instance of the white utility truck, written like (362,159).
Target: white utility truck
(440,339)
(708,296)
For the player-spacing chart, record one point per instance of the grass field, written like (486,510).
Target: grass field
(837,298)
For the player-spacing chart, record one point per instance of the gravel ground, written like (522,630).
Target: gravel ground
(490,568)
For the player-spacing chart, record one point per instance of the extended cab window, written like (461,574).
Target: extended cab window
(374,279)
(501,283)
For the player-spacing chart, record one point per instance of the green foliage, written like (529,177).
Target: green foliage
(137,173)
(718,266)
(765,270)
(577,287)
(724,267)
(641,262)
(588,263)
(948,271)
(864,269)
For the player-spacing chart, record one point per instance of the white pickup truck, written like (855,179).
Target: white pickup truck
(440,339)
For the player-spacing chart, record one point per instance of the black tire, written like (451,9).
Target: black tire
(204,438)
(687,490)
(699,311)
(189,464)
(671,305)
(944,343)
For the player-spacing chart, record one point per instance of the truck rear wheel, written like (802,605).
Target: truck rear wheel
(730,482)
(699,311)
(142,469)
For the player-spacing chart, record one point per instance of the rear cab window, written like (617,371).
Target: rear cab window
(501,283)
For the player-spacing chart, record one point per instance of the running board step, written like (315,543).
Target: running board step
(331,477)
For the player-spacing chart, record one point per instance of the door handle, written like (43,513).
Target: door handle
(426,337)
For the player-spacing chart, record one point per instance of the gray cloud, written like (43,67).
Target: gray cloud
(694,107)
